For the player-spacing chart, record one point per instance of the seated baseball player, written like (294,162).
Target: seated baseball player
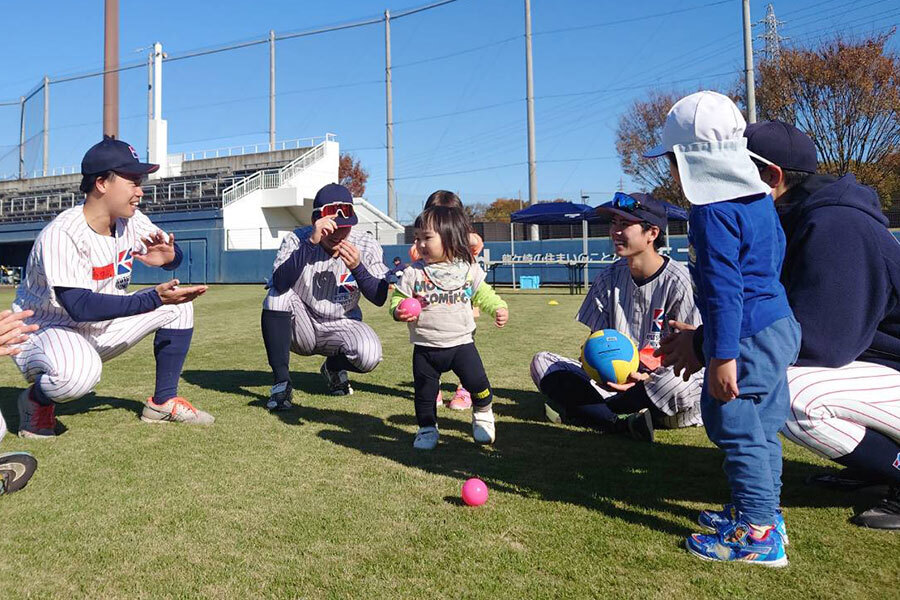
(637,296)
(842,276)
(76,282)
(313,302)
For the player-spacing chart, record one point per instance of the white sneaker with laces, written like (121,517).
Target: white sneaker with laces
(426,438)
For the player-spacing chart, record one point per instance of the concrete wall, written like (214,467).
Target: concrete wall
(240,162)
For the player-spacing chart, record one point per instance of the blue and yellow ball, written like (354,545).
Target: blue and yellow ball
(609,355)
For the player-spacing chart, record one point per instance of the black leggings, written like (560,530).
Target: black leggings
(585,406)
(428,366)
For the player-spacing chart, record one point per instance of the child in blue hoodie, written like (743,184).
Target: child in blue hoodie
(750,336)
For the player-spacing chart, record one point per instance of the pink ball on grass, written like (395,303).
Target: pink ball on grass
(411,307)
(474,492)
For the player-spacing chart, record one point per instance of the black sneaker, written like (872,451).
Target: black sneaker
(884,516)
(280,397)
(338,382)
(16,468)
(640,426)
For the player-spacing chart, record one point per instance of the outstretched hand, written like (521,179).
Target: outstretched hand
(160,249)
(677,350)
(13,330)
(632,380)
(171,293)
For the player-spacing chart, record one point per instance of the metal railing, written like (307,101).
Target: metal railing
(255,148)
(40,203)
(271,179)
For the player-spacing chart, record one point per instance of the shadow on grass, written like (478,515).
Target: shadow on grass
(88,403)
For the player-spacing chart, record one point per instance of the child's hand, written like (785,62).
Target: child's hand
(722,380)
(501,317)
(634,378)
(403,316)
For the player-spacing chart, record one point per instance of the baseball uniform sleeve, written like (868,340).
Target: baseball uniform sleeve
(373,258)
(594,311)
(290,260)
(681,306)
(65,263)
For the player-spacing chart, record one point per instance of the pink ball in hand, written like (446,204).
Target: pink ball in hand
(411,307)
(474,492)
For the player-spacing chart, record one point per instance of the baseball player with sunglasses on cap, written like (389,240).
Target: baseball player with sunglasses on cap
(312,306)
(637,296)
(76,284)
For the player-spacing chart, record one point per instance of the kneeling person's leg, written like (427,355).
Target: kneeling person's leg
(350,346)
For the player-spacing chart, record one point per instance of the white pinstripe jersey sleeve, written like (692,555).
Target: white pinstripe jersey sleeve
(372,256)
(290,243)
(65,263)
(595,310)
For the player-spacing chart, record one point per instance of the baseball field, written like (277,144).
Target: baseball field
(331,501)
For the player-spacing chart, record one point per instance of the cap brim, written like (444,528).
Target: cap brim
(610,212)
(756,156)
(656,152)
(137,169)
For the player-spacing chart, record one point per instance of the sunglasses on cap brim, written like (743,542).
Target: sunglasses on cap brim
(623,201)
(337,209)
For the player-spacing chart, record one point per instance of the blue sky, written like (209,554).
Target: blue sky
(459,80)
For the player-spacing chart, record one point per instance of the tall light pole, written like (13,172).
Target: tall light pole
(748,66)
(271,90)
(529,99)
(389,118)
(110,69)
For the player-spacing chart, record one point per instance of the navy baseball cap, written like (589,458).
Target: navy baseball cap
(636,207)
(335,201)
(114,155)
(782,144)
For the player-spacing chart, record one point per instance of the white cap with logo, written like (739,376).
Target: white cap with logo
(705,131)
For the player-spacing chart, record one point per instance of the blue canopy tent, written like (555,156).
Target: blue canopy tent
(554,213)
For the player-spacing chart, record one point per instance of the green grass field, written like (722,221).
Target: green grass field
(331,501)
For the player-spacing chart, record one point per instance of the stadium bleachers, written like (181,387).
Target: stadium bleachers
(196,191)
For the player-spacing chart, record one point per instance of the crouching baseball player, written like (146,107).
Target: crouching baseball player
(313,302)
(76,281)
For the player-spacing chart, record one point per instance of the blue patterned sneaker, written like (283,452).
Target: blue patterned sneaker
(713,520)
(735,544)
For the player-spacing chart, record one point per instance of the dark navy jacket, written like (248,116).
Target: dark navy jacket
(841,273)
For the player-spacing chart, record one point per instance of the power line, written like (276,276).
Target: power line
(633,19)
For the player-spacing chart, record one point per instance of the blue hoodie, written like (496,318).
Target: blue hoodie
(841,273)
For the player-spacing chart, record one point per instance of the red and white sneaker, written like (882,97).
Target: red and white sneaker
(175,410)
(462,400)
(36,421)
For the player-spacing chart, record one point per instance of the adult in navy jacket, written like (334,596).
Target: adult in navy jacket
(842,275)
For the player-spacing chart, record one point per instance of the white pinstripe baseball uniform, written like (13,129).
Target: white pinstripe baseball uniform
(832,408)
(615,301)
(324,301)
(65,357)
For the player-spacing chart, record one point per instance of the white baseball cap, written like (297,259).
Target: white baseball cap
(705,132)
(701,117)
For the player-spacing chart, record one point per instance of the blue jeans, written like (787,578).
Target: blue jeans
(746,428)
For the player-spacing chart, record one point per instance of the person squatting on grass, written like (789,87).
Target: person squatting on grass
(447,282)
(750,334)
(312,304)
(16,468)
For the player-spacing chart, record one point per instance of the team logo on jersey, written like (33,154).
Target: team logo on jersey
(123,270)
(659,318)
(897,461)
(345,288)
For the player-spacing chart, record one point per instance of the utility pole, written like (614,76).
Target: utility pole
(110,69)
(389,117)
(529,94)
(271,90)
(46,143)
(748,66)
(771,38)
(22,137)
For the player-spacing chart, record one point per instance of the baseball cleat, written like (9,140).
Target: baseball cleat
(175,410)
(280,397)
(714,520)
(640,426)
(554,411)
(338,382)
(36,421)
(16,469)
(884,516)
